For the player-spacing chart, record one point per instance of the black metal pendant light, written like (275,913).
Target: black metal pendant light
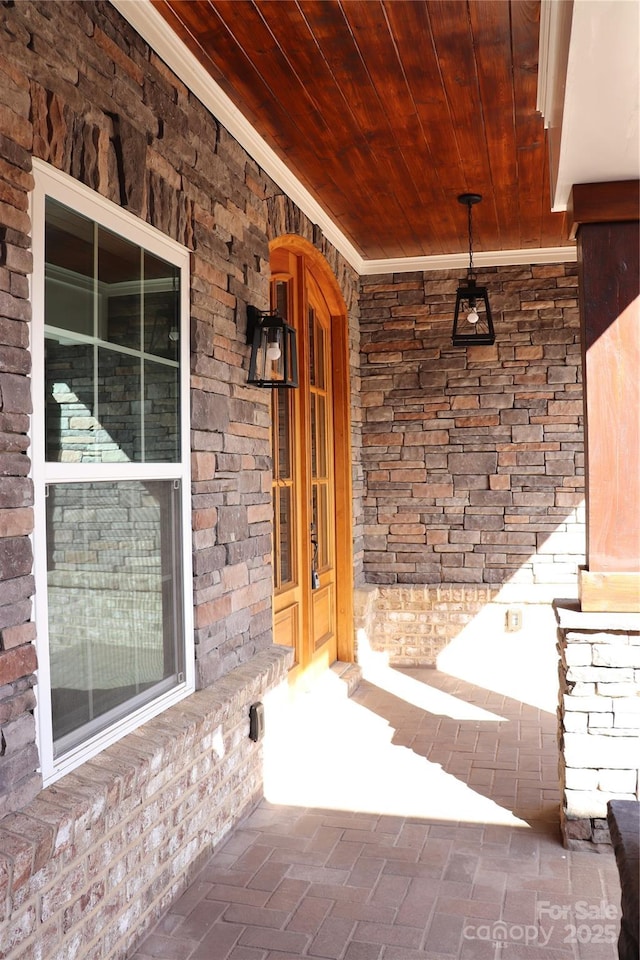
(472,323)
(274,357)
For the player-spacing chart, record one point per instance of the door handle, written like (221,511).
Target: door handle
(315,576)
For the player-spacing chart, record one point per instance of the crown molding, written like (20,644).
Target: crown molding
(146,20)
(151,26)
(460,261)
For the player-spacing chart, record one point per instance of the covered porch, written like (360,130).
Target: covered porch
(179,545)
(420,823)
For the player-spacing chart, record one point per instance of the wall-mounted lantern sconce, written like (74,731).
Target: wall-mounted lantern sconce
(274,356)
(472,323)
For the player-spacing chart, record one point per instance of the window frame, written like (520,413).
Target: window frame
(50,182)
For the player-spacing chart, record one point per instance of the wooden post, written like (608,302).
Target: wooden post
(607,229)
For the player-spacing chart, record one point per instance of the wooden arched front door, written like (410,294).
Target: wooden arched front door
(313,570)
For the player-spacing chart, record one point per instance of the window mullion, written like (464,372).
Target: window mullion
(143,445)
(96,324)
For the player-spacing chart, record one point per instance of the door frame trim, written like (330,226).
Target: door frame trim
(319,268)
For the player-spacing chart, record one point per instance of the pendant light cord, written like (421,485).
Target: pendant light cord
(470,241)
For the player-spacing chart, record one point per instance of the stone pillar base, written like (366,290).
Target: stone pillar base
(598,719)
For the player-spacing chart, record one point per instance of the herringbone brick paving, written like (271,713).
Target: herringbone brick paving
(448,848)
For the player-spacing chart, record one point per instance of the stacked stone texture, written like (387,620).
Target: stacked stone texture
(473,458)
(599,719)
(81,90)
(19,780)
(108,112)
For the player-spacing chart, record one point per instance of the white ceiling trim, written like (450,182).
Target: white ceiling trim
(589,92)
(152,27)
(460,261)
(144,18)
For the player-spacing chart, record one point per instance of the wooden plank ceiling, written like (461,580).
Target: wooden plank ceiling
(386,110)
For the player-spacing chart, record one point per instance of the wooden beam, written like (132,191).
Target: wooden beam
(609,592)
(614,202)
(608,278)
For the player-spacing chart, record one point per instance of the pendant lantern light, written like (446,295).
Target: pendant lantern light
(472,323)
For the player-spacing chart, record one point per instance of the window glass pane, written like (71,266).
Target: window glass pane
(120,290)
(321,517)
(281,298)
(161,308)
(71,434)
(285,530)
(321,435)
(109,413)
(161,405)
(281,449)
(120,420)
(312,348)
(320,357)
(314,523)
(274,432)
(276,560)
(314,437)
(114,594)
(69,269)
(281,434)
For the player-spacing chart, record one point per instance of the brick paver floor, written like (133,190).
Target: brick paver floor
(416,820)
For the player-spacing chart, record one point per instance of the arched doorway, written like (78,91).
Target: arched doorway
(313,556)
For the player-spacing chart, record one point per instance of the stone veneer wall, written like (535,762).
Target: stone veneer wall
(108,112)
(472,458)
(599,719)
(102,107)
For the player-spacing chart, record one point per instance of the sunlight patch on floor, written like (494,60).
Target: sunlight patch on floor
(522,665)
(376,670)
(324,750)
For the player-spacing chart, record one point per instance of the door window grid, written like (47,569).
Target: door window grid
(305,613)
(285,573)
(320,479)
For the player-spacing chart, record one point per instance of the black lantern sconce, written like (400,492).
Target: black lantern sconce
(274,356)
(472,323)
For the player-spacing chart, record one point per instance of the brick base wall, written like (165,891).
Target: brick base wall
(89,866)
(414,626)
(598,718)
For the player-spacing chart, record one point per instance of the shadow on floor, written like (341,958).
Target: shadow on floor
(415,821)
(503,749)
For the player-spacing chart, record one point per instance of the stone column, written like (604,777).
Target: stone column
(599,637)
(599,718)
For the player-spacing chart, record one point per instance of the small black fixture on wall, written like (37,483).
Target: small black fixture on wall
(472,323)
(274,355)
(256,721)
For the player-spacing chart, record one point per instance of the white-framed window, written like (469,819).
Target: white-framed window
(110,454)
